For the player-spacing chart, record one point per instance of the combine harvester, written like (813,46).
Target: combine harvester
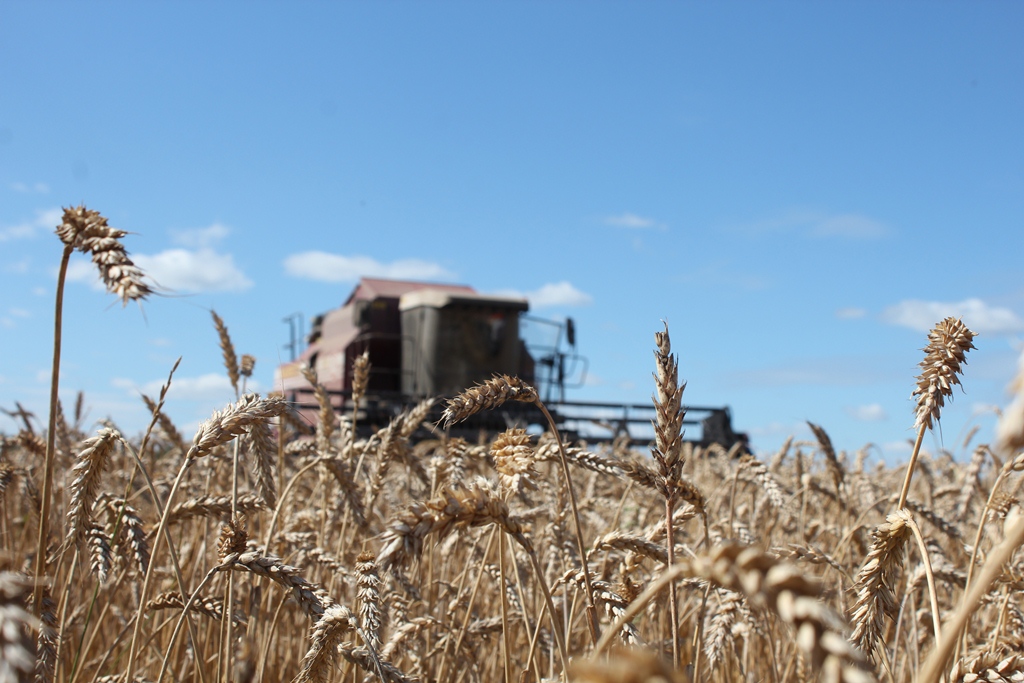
(434,340)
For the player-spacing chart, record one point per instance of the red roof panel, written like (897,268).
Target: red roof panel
(372,288)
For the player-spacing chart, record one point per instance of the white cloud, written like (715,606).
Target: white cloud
(39,291)
(200,238)
(19,313)
(47,219)
(39,188)
(7,323)
(552,294)
(175,269)
(633,221)
(203,270)
(213,386)
(179,270)
(558,294)
(976,314)
(869,413)
(324,267)
(850,313)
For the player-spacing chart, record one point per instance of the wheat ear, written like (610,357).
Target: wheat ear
(92,461)
(88,232)
(948,343)
(227,349)
(989,668)
(877,579)
(488,395)
(371,613)
(325,426)
(325,636)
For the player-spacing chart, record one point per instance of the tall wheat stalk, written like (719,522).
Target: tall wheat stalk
(88,232)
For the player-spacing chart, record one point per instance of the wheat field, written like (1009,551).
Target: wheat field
(273,545)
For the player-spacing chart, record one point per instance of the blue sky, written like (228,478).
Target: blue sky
(800,189)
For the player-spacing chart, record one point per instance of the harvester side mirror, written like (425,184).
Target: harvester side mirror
(570,332)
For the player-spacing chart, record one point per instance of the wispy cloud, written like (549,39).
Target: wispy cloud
(872,412)
(203,270)
(179,270)
(850,313)
(326,267)
(196,266)
(28,188)
(212,386)
(977,315)
(558,294)
(46,219)
(553,294)
(633,221)
(820,224)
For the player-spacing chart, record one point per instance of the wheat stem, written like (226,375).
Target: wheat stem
(905,490)
(926,560)
(936,662)
(595,633)
(51,436)
(184,615)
